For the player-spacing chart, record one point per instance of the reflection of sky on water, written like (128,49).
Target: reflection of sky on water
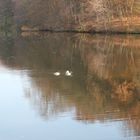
(19,121)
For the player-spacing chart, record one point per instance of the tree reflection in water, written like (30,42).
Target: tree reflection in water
(105,85)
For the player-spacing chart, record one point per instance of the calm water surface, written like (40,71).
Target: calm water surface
(69,87)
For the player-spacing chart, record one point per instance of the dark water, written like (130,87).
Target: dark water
(69,87)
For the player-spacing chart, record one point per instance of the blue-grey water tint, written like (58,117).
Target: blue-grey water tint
(99,99)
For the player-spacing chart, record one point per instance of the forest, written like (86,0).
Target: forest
(72,15)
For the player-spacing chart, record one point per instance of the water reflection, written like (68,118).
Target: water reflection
(105,85)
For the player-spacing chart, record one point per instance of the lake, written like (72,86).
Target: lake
(66,86)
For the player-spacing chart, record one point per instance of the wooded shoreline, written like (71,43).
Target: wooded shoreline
(85,16)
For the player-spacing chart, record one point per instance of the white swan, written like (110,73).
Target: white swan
(57,73)
(68,73)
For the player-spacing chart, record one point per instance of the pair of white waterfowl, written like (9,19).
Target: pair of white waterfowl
(67,73)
